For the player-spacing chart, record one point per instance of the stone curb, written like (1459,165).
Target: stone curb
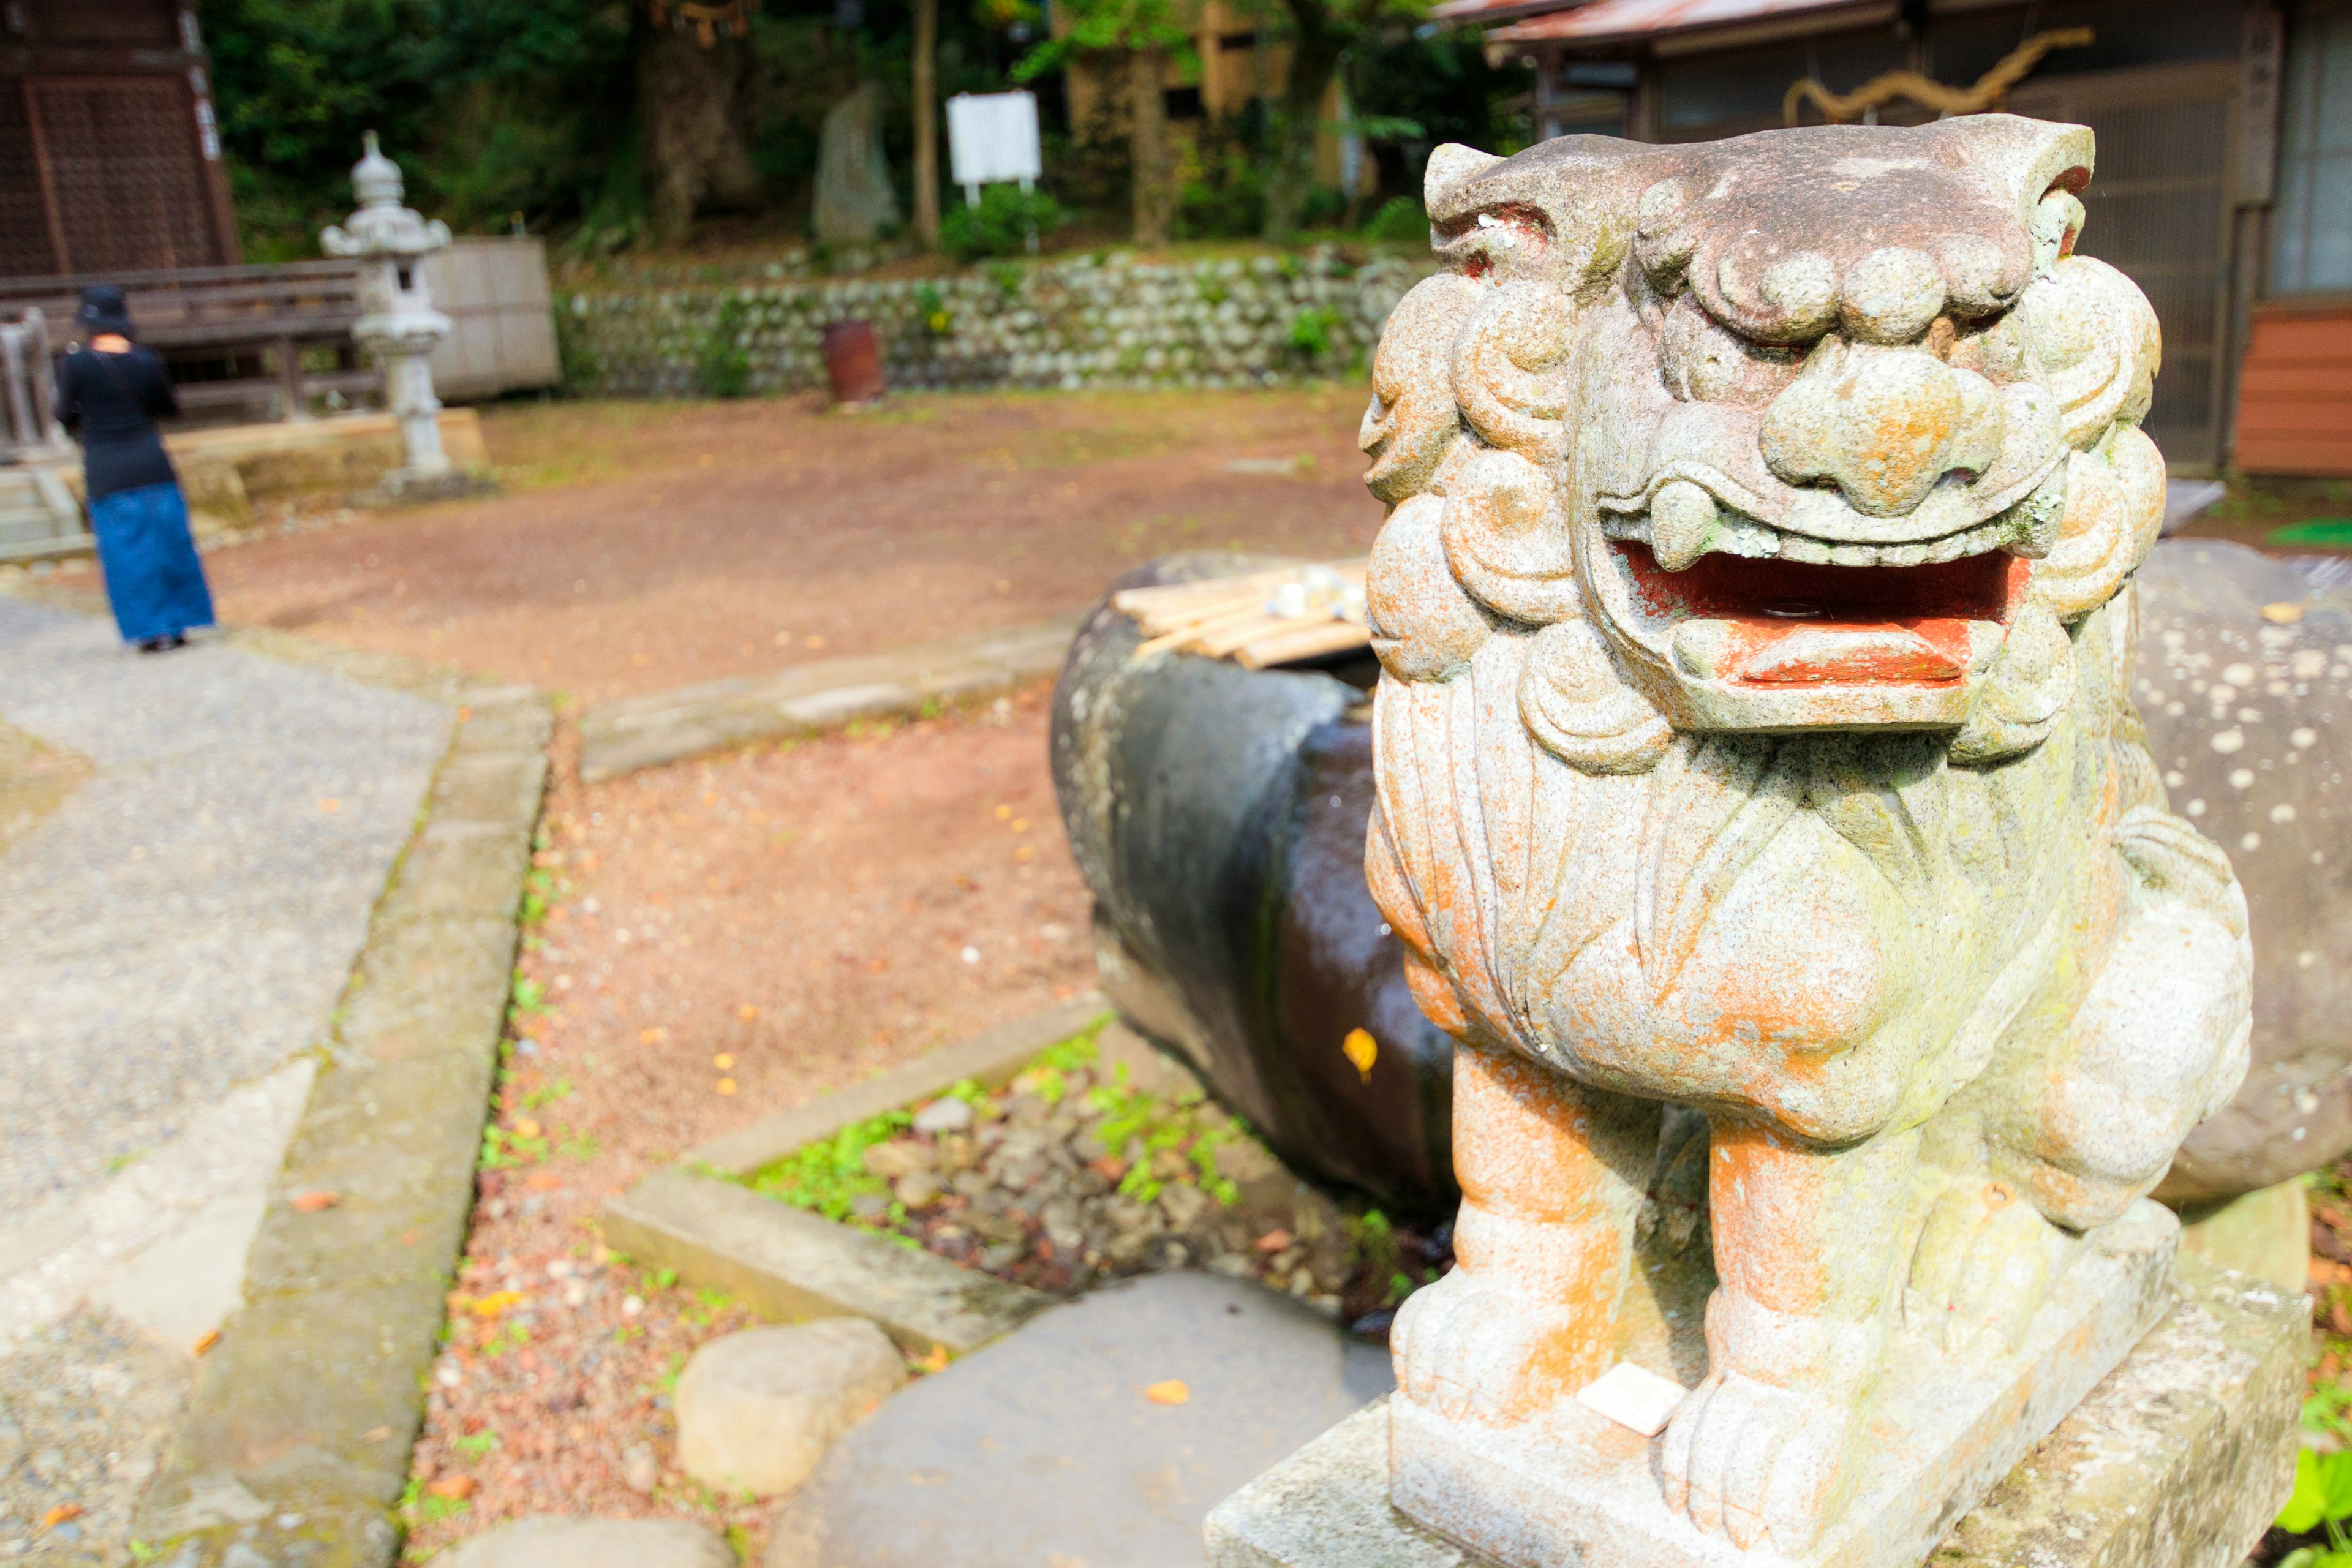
(296,1442)
(989,1059)
(635,732)
(790,1264)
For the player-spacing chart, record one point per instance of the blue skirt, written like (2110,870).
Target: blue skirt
(153,579)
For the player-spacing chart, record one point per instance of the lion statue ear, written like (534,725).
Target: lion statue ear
(2026,157)
(1451,165)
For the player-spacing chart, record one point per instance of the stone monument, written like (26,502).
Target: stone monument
(1763,811)
(855,198)
(399,326)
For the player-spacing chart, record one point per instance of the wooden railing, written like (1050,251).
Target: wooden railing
(235,337)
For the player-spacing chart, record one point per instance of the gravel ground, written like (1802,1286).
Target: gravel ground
(719,941)
(1084,1169)
(645,545)
(85,1412)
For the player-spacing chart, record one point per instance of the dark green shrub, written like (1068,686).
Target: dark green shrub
(721,363)
(1000,224)
(1399,221)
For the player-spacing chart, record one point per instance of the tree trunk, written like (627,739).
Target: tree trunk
(927,126)
(1315,50)
(691,102)
(1154,200)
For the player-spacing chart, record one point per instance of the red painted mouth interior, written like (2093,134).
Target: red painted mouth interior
(1796,623)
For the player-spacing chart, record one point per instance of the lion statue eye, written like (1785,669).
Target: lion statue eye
(1704,362)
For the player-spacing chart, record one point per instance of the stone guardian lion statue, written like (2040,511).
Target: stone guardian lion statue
(1754,744)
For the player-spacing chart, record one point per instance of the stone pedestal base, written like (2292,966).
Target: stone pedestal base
(406,486)
(2178,1459)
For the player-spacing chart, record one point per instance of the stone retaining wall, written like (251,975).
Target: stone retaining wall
(1085,323)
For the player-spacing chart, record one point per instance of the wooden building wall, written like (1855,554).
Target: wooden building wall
(109,155)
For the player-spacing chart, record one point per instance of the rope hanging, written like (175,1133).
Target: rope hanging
(1989,91)
(706,17)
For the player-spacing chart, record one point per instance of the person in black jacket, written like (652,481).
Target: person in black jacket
(110,392)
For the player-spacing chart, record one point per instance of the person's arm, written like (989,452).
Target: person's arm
(69,398)
(163,402)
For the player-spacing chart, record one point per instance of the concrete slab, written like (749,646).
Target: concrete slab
(184,922)
(990,1058)
(634,732)
(791,1264)
(2178,1459)
(1045,1450)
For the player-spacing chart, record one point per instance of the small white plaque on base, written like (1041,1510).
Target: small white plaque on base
(1633,1397)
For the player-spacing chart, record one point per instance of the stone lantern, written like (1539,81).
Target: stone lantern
(399,325)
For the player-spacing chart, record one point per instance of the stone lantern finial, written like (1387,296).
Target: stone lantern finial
(376,178)
(399,326)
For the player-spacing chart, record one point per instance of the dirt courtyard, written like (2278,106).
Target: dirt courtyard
(643,546)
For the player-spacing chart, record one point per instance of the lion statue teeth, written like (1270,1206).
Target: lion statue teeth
(1754,740)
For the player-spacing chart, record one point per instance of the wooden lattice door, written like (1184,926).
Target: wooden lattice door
(121,173)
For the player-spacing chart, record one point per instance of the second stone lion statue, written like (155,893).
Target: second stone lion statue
(1755,744)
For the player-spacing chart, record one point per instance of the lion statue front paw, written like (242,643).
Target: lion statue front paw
(1468,1350)
(1747,1459)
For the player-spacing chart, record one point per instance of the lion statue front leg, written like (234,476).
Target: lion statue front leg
(1805,1254)
(1542,1245)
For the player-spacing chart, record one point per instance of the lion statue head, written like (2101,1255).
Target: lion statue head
(1815,429)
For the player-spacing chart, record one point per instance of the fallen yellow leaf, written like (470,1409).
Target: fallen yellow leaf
(330,805)
(747,1011)
(1362,1050)
(653,1036)
(59,1514)
(312,1202)
(937,1361)
(722,1061)
(204,1341)
(1174,1391)
(497,1302)
(2284,613)
(525,1127)
(1003,813)
(726,1086)
(452,1487)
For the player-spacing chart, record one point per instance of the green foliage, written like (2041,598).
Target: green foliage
(1399,221)
(1112,27)
(1311,332)
(828,1177)
(491,106)
(721,362)
(2322,1499)
(1000,224)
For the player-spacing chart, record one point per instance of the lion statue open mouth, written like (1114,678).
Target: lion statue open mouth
(1756,618)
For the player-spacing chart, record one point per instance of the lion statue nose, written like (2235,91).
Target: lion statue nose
(1884,424)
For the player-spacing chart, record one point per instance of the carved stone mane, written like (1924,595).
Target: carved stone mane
(1754,736)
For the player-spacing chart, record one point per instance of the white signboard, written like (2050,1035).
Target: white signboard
(992,137)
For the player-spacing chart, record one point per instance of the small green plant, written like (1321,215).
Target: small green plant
(932,307)
(828,1177)
(1311,332)
(1399,221)
(721,364)
(475,1444)
(1006,276)
(2322,1499)
(1001,224)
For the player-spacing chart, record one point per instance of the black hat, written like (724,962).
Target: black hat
(104,309)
